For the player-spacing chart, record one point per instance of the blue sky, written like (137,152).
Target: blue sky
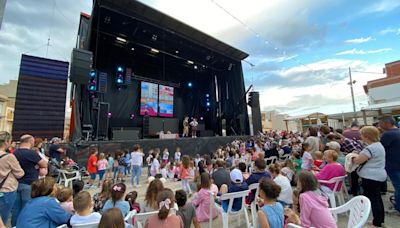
(301,49)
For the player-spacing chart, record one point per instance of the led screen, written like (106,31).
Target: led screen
(149,99)
(166,99)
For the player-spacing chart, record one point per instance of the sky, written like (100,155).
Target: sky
(299,51)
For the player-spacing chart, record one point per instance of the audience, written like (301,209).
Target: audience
(221,175)
(131,199)
(113,219)
(256,176)
(65,197)
(286,193)
(186,211)
(164,218)
(307,158)
(201,200)
(10,171)
(372,171)
(117,196)
(92,167)
(77,186)
(137,165)
(331,170)
(99,199)
(83,206)
(236,185)
(42,210)
(271,213)
(150,201)
(33,166)
(185,176)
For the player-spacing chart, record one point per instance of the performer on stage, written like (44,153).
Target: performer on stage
(186,127)
(194,125)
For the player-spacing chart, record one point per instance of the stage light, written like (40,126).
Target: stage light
(201,118)
(195,67)
(190,84)
(132,116)
(208,104)
(190,62)
(92,88)
(92,74)
(208,109)
(132,49)
(177,52)
(207,95)
(109,114)
(120,81)
(121,39)
(119,69)
(153,50)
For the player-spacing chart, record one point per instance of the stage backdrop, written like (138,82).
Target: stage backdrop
(40,99)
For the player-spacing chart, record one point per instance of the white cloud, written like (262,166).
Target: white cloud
(359,40)
(333,91)
(390,30)
(382,6)
(363,52)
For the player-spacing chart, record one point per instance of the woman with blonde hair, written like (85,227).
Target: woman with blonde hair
(372,171)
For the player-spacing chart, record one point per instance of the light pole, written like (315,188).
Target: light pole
(351,82)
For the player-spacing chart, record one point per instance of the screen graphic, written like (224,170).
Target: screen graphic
(166,101)
(149,99)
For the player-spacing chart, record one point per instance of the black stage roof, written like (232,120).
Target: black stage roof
(165,22)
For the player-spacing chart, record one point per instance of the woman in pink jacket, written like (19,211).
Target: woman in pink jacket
(331,170)
(201,200)
(314,210)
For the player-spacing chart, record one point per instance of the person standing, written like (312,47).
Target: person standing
(185,127)
(372,171)
(354,132)
(178,154)
(313,140)
(391,141)
(33,166)
(55,149)
(92,167)
(137,164)
(10,171)
(194,125)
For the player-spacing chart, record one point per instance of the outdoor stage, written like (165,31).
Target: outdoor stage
(189,146)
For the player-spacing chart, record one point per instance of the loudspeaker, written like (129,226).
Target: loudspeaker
(254,99)
(102,120)
(126,134)
(81,64)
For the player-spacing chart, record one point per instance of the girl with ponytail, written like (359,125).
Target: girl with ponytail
(165,218)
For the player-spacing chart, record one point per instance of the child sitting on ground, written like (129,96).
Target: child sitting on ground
(186,211)
(165,201)
(117,194)
(131,199)
(83,206)
(65,197)
(319,161)
(163,171)
(271,213)
(171,171)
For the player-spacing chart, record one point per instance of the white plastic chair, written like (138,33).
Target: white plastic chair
(231,197)
(87,225)
(284,157)
(62,226)
(253,205)
(337,190)
(271,160)
(292,225)
(140,218)
(251,167)
(68,180)
(359,207)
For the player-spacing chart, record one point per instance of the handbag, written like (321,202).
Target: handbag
(4,180)
(362,165)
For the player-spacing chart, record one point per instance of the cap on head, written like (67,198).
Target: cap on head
(236,176)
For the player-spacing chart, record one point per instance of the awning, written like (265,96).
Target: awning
(393,104)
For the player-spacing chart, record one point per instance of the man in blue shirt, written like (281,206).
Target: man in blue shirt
(391,141)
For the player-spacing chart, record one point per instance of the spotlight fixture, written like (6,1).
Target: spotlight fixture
(190,62)
(176,52)
(132,49)
(109,115)
(201,118)
(132,116)
(153,50)
(154,37)
(190,84)
(120,39)
(195,67)
(207,95)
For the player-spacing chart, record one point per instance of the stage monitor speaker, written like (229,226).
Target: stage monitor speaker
(102,121)
(81,64)
(201,127)
(206,133)
(126,134)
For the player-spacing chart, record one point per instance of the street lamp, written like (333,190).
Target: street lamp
(351,82)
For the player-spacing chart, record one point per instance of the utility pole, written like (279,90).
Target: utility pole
(352,94)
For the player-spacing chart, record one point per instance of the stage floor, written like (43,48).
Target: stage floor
(189,146)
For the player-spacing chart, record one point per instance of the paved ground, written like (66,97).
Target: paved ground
(391,221)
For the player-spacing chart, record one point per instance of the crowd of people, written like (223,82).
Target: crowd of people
(289,167)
